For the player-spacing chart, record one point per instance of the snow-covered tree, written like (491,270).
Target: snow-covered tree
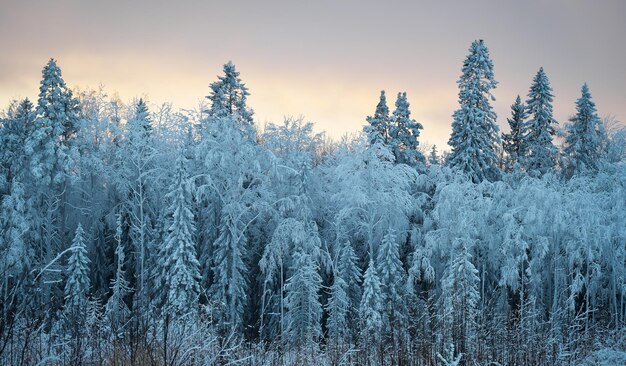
(229,97)
(77,273)
(392,277)
(179,275)
(136,169)
(343,320)
(583,143)
(460,298)
(14,131)
(379,125)
(540,152)
(97,140)
(433,157)
(304,309)
(513,142)
(140,124)
(15,251)
(371,307)
(231,284)
(404,135)
(474,137)
(338,308)
(233,192)
(450,359)
(349,271)
(52,158)
(16,260)
(116,310)
(77,286)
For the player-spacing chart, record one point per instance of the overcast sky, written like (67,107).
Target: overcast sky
(325,60)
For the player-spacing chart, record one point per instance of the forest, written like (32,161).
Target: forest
(139,234)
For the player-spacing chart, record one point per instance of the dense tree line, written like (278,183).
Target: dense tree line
(138,236)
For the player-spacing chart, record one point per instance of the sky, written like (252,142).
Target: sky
(324,60)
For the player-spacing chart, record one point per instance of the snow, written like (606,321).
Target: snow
(140,234)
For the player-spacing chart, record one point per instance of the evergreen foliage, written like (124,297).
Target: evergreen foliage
(583,144)
(539,130)
(474,137)
(513,142)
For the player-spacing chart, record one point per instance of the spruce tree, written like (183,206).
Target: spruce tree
(474,139)
(304,310)
(371,306)
(583,143)
(230,269)
(179,268)
(52,159)
(345,292)
(433,158)
(350,273)
(338,309)
(77,303)
(77,282)
(377,129)
(50,145)
(140,125)
(404,135)
(229,96)
(15,253)
(14,132)
(540,154)
(513,142)
(392,277)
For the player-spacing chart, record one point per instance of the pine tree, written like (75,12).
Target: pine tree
(179,268)
(474,137)
(378,126)
(433,158)
(229,95)
(513,142)
(371,307)
(583,143)
(404,135)
(539,129)
(50,145)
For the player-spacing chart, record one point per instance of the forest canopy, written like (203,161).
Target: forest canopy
(139,234)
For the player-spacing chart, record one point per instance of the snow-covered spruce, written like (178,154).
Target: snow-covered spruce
(474,137)
(540,154)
